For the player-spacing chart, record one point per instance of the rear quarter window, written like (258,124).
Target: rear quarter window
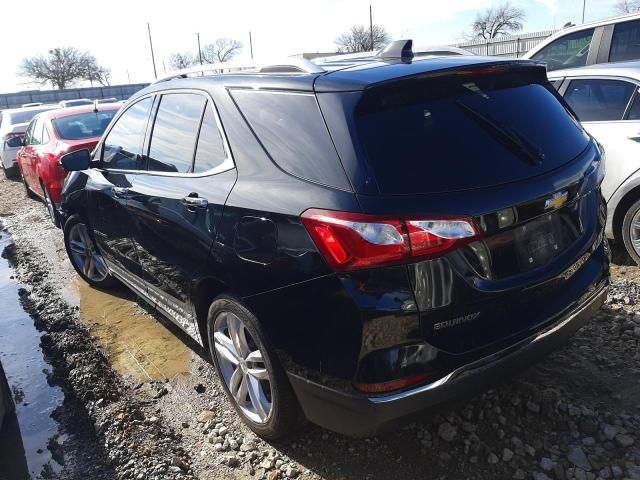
(292,131)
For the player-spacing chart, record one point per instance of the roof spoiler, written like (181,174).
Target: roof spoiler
(397,50)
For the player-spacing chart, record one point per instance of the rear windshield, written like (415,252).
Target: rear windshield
(24,116)
(83,125)
(464,131)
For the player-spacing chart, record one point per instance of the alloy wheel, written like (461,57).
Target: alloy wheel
(634,232)
(84,254)
(243,368)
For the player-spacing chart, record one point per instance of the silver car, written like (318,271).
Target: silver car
(606,99)
(13,124)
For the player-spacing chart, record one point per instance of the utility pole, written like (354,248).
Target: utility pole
(584,4)
(250,45)
(199,49)
(153,58)
(371,26)
(128,76)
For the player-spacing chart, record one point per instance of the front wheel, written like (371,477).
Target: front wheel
(84,255)
(631,231)
(250,373)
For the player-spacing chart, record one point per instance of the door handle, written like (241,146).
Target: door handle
(120,191)
(195,202)
(635,138)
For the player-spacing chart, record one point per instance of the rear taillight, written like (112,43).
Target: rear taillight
(351,241)
(13,140)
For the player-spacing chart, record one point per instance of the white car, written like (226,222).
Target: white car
(13,124)
(611,40)
(606,99)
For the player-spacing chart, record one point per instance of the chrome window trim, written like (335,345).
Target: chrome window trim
(227,164)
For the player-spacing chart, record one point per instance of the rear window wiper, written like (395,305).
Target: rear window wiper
(507,136)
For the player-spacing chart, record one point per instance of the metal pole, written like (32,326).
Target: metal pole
(584,4)
(128,76)
(250,45)
(199,49)
(371,26)
(153,58)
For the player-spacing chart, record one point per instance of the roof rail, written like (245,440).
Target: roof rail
(287,66)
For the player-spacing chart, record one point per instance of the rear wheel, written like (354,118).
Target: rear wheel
(631,231)
(11,172)
(51,208)
(84,255)
(27,190)
(249,370)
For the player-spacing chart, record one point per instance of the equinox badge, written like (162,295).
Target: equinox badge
(557,200)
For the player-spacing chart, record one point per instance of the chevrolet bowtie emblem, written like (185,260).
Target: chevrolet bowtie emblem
(557,200)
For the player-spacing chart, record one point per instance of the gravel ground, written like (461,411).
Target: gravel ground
(576,415)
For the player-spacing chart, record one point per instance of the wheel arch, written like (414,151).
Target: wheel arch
(620,209)
(203,293)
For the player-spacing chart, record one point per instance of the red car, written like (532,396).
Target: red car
(49,136)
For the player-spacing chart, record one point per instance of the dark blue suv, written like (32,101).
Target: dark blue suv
(351,245)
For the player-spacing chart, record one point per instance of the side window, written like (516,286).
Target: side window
(599,100)
(122,148)
(568,51)
(293,132)
(36,133)
(634,113)
(27,134)
(210,152)
(173,139)
(625,44)
(45,134)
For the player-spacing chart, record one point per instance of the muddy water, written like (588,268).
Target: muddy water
(137,344)
(24,443)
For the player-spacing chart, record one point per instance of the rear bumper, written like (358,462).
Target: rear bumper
(358,415)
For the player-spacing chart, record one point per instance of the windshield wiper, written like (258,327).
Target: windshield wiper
(507,136)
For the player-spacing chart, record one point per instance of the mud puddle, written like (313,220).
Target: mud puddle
(138,345)
(27,438)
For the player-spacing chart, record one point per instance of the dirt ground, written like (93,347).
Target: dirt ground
(139,404)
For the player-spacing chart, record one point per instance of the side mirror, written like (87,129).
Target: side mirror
(75,161)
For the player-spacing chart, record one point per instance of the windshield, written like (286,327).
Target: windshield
(24,116)
(83,125)
(461,132)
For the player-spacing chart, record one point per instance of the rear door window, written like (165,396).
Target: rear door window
(599,100)
(634,112)
(292,130)
(625,43)
(36,133)
(122,148)
(173,139)
(568,51)
(210,152)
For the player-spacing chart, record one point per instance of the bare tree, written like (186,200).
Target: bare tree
(102,76)
(222,50)
(627,6)
(358,39)
(180,60)
(497,21)
(62,67)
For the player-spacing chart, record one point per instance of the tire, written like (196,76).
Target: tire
(78,238)
(10,173)
(27,190)
(631,231)
(51,208)
(284,413)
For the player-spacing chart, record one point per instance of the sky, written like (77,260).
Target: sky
(116,31)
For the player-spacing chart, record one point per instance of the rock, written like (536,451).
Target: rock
(447,432)
(588,426)
(540,476)
(222,431)
(610,431)
(588,441)
(519,475)
(616,471)
(233,444)
(507,455)
(205,416)
(233,461)
(492,459)
(530,450)
(469,427)
(624,440)
(267,463)
(580,474)
(199,388)
(578,458)
(292,472)
(273,475)
(546,464)
(533,407)
(605,473)
(248,446)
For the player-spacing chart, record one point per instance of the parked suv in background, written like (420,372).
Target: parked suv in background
(13,124)
(606,99)
(612,40)
(51,135)
(358,244)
